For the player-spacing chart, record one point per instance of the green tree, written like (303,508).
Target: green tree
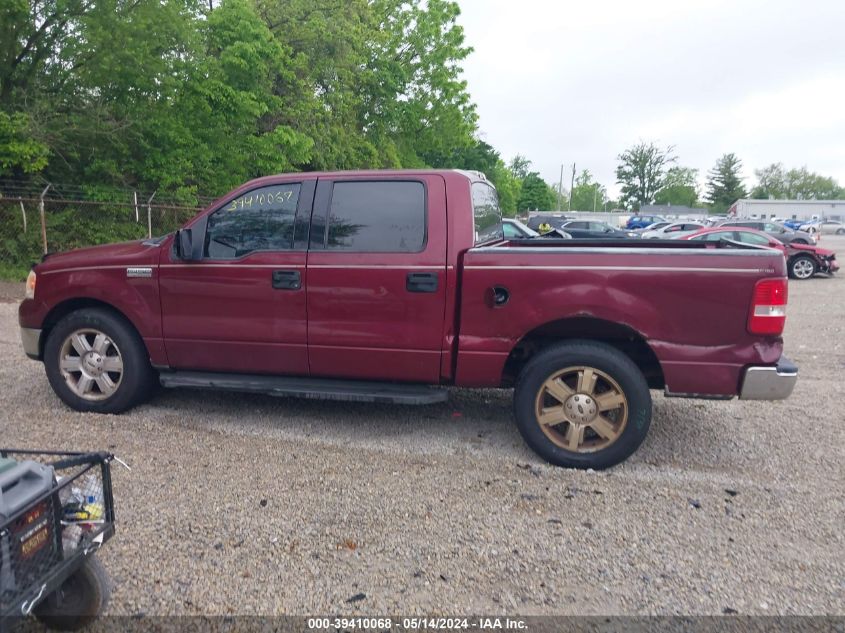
(724,183)
(520,166)
(19,151)
(777,183)
(642,173)
(536,194)
(587,194)
(680,187)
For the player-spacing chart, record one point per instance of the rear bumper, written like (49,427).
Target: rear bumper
(31,339)
(769,383)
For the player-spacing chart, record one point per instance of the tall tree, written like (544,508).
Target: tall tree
(724,183)
(642,172)
(520,166)
(776,182)
(536,194)
(587,194)
(680,187)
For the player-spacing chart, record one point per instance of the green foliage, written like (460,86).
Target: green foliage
(587,194)
(167,95)
(19,151)
(777,183)
(536,194)
(642,173)
(724,183)
(680,187)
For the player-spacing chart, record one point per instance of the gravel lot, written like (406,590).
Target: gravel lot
(247,504)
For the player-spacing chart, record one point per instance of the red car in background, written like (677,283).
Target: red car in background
(802,260)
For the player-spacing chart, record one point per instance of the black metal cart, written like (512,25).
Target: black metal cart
(47,546)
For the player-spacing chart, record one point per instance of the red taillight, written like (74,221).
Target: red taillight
(768,307)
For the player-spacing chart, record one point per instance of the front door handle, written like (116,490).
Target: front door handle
(287,280)
(421,282)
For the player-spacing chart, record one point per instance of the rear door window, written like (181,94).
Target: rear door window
(377,217)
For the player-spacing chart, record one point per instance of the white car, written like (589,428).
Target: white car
(672,231)
(825,227)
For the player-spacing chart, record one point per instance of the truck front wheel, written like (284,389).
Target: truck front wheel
(95,361)
(582,404)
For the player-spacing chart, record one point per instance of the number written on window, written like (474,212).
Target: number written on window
(259,220)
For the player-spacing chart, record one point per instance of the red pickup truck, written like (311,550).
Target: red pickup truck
(386,286)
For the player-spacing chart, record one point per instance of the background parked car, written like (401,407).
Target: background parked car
(794,224)
(802,260)
(515,230)
(779,231)
(589,229)
(673,230)
(642,221)
(825,227)
(556,220)
(652,227)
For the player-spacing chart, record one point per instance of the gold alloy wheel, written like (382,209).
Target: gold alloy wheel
(91,364)
(581,409)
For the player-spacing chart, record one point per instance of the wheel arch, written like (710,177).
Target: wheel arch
(620,336)
(64,308)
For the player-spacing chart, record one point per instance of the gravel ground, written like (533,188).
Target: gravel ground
(255,505)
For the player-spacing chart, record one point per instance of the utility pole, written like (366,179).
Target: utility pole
(571,187)
(595,193)
(560,189)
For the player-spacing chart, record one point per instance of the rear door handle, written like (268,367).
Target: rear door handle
(421,282)
(287,280)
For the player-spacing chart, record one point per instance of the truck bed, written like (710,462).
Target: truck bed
(688,302)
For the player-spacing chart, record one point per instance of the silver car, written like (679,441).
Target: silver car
(825,227)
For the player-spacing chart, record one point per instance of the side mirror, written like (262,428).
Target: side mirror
(185,245)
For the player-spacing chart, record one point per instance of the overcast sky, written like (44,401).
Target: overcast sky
(579,81)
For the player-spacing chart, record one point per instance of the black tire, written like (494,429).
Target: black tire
(606,359)
(137,376)
(799,267)
(840,231)
(78,601)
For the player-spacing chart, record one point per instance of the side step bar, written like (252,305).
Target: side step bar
(312,388)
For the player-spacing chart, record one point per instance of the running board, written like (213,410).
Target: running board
(312,388)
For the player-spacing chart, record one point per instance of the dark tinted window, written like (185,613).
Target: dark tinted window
(488,217)
(577,225)
(377,217)
(260,220)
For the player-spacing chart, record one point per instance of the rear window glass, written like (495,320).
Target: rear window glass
(377,217)
(488,217)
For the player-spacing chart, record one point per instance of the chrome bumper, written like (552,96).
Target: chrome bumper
(769,383)
(31,340)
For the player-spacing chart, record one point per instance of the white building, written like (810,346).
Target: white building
(789,209)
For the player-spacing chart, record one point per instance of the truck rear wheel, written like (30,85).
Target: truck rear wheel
(582,404)
(95,361)
(78,601)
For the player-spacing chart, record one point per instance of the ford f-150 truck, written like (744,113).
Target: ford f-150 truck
(387,286)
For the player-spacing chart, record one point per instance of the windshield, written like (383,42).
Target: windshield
(488,216)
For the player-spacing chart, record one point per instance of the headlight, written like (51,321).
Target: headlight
(30,285)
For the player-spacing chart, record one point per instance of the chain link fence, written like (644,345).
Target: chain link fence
(31,226)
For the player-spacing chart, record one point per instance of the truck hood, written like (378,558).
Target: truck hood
(123,253)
